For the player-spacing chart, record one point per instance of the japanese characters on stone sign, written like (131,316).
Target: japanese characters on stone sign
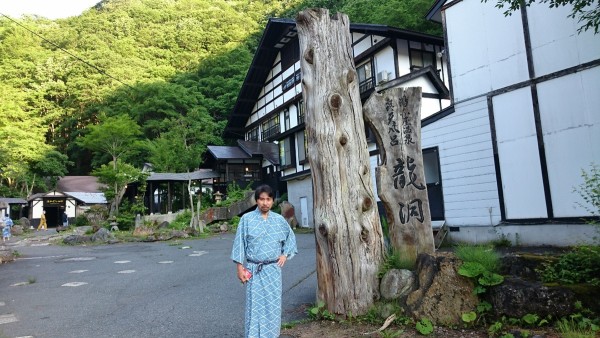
(404,174)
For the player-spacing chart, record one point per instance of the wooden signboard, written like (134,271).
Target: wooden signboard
(395,118)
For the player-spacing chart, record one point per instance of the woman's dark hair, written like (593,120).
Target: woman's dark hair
(264,188)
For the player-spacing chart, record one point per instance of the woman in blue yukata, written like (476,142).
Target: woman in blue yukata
(265,241)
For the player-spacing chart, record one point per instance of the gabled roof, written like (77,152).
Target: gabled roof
(246,150)
(228,153)
(435,12)
(278,32)
(428,72)
(269,151)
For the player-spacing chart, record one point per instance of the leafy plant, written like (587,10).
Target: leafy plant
(577,326)
(235,193)
(424,326)
(581,265)
(391,333)
(480,263)
(182,221)
(469,318)
(319,312)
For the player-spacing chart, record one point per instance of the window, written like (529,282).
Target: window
(302,147)
(285,153)
(301,112)
(270,127)
(421,58)
(365,76)
(291,81)
(286,119)
(252,135)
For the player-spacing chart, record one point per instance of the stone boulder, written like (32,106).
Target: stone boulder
(288,212)
(397,284)
(163,225)
(77,239)
(516,297)
(17,230)
(24,222)
(102,235)
(6,256)
(442,294)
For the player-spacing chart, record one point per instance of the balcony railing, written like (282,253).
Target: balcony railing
(271,131)
(366,85)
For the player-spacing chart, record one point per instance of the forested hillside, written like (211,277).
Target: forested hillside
(163,73)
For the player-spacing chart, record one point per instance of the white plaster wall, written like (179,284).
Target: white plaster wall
(571,126)
(487,50)
(301,188)
(554,34)
(467,164)
(362,45)
(384,61)
(522,184)
(528,234)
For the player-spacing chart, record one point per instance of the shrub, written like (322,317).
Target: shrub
(182,221)
(582,265)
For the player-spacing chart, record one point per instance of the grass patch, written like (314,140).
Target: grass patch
(394,260)
(482,254)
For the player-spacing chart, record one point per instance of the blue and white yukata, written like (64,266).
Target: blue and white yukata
(257,241)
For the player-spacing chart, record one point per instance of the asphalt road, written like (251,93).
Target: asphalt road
(162,289)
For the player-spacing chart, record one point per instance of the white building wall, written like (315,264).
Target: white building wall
(553,33)
(570,112)
(518,153)
(467,164)
(487,50)
(297,189)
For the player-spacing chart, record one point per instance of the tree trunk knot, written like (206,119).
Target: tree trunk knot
(350,76)
(364,235)
(323,230)
(344,139)
(335,101)
(367,203)
(309,56)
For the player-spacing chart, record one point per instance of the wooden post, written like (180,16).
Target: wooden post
(347,227)
(395,118)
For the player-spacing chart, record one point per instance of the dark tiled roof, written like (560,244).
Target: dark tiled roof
(12,200)
(79,184)
(228,152)
(268,150)
(194,176)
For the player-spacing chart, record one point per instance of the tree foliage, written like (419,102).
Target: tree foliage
(172,68)
(587,12)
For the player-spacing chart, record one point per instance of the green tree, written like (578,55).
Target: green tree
(50,168)
(117,176)
(116,136)
(587,12)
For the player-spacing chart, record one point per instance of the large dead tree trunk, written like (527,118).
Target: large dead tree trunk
(348,230)
(395,117)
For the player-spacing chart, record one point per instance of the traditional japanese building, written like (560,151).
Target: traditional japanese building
(524,123)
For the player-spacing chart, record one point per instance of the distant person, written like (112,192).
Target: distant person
(264,242)
(43,225)
(65,219)
(8,223)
